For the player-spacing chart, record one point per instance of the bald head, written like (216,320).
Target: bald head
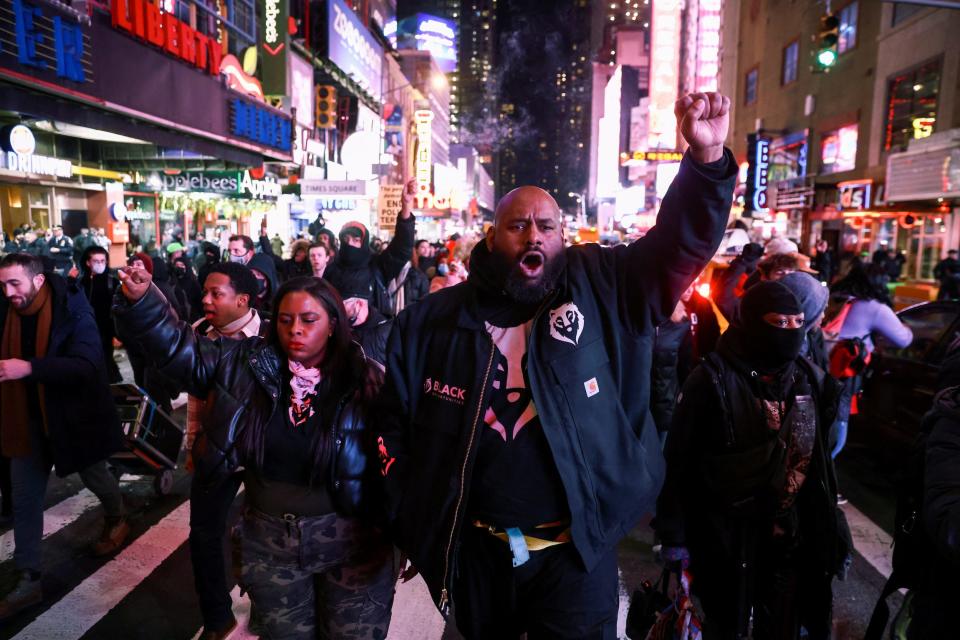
(526,240)
(527,199)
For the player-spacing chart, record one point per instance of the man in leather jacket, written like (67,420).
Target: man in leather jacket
(515,437)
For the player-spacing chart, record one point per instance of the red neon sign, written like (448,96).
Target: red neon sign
(144,20)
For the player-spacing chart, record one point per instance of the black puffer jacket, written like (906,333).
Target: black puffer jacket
(241,383)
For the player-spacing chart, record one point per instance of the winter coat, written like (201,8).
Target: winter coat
(81,417)
(379,269)
(588,361)
(939,593)
(372,336)
(718,499)
(241,382)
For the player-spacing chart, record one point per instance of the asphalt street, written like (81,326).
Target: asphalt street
(146,590)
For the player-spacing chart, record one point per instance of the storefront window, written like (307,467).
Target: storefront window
(912,103)
(933,247)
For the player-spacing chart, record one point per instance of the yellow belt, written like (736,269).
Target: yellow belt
(533,544)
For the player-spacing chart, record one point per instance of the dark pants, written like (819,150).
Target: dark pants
(549,596)
(209,509)
(113,371)
(29,475)
(6,489)
(316,577)
(781,591)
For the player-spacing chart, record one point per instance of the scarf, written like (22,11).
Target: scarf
(14,411)
(303,387)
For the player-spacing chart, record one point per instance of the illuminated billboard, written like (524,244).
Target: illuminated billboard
(664,74)
(425,32)
(352,48)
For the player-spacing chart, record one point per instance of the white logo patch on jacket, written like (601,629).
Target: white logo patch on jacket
(566,323)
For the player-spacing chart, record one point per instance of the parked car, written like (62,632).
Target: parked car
(900,383)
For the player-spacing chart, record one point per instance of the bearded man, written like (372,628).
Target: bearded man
(516,440)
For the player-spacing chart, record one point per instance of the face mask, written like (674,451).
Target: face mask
(443,269)
(98,268)
(238,259)
(773,348)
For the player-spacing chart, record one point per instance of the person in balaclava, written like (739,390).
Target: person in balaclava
(210,255)
(265,271)
(749,505)
(355,257)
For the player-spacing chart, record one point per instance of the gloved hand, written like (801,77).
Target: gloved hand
(675,557)
(751,253)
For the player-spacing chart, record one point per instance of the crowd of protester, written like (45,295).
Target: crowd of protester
(500,411)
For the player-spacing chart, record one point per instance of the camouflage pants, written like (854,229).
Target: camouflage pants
(316,577)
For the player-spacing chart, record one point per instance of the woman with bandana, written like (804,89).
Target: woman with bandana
(749,502)
(288,410)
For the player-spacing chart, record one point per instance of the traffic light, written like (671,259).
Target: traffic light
(326,108)
(826,49)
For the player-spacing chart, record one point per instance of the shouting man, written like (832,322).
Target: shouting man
(516,444)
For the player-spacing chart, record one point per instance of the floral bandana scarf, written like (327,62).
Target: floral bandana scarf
(303,386)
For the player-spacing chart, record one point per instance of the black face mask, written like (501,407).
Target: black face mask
(771,348)
(354,256)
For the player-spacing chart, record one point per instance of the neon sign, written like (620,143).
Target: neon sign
(761,172)
(32,34)
(260,125)
(708,45)
(271,34)
(424,160)
(664,74)
(163,30)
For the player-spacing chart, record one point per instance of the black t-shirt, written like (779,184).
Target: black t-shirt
(515,479)
(288,455)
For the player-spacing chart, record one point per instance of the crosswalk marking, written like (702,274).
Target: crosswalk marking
(85,605)
(870,541)
(57,517)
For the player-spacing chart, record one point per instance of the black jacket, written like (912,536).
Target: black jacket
(372,336)
(719,499)
(81,417)
(99,290)
(936,598)
(597,327)
(378,269)
(241,383)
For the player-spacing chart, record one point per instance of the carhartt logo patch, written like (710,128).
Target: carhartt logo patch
(441,391)
(591,387)
(566,323)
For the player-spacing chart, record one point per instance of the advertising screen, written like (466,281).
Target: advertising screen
(352,48)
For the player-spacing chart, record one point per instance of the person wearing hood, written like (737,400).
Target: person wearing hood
(99,284)
(298,264)
(516,442)
(750,499)
(209,255)
(813,297)
(265,271)
(187,286)
(369,327)
(356,259)
(145,375)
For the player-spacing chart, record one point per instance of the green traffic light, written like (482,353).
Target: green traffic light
(827,57)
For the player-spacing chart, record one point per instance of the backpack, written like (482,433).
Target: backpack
(848,357)
(911,546)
